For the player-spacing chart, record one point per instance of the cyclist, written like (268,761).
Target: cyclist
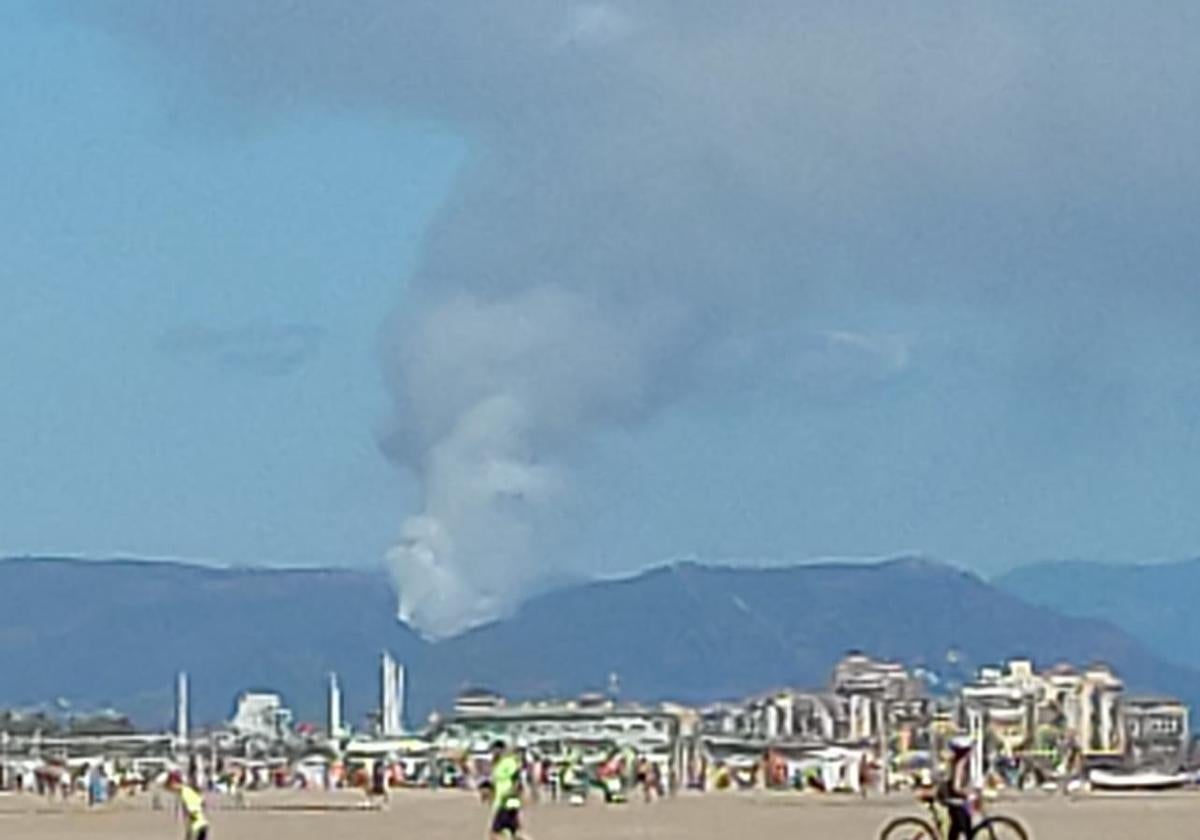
(954,791)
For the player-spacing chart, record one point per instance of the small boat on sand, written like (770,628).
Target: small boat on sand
(1110,780)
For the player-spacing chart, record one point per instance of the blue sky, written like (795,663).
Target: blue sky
(512,292)
(190,323)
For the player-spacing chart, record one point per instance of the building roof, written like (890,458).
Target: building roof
(1147,700)
(558,711)
(477,693)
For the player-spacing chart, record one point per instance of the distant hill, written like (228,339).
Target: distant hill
(698,632)
(1158,603)
(115,633)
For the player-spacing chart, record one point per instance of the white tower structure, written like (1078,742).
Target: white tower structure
(336,729)
(181,709)
(391,693)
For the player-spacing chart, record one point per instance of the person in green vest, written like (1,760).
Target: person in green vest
(506,794)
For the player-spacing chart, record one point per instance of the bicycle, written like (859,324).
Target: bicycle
(937,826)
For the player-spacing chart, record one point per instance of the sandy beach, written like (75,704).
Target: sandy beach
(433,816)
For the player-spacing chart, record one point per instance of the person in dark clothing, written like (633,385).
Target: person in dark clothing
(955,789)
(377,793)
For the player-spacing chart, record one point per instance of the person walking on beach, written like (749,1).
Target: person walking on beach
(506,794)
(377,792)
(196,824)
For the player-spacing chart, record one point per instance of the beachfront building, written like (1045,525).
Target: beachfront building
(555,727)
(872,707)
(1061,709)
(867,699)
(478,701)
(1090,702)
(885,708)
(1101,728)
(875,694)
(583,734)
(261,715)
(1023,718)
(859,674)
(1007,701)
(778,716)
(1156,730)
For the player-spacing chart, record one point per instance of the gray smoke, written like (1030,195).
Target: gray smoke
(489,395)
(661,193)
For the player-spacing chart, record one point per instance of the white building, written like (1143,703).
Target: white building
(553,726)
(1156,730)
(261,715)
(860,674)
(1082,706)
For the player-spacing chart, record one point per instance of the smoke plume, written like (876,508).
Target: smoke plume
(659,194)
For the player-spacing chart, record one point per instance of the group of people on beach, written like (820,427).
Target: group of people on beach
(512,779)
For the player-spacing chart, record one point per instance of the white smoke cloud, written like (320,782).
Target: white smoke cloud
(490,394)
(662,195)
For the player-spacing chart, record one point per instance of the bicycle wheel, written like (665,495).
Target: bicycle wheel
(999,828)
(908,828)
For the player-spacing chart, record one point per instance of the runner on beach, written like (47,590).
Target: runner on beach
(196,824)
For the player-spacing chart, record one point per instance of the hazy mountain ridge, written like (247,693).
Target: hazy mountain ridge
(103,633)
(1155,602)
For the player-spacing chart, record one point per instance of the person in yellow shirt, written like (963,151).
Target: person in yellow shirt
(506,790)
(196,824)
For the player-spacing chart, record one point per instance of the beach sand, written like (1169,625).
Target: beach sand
(434,816)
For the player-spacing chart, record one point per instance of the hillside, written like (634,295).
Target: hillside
(696,632)
(101,633)
(117,632)
(1157,603)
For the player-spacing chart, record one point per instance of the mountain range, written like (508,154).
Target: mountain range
(114,633)
(1159,603)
